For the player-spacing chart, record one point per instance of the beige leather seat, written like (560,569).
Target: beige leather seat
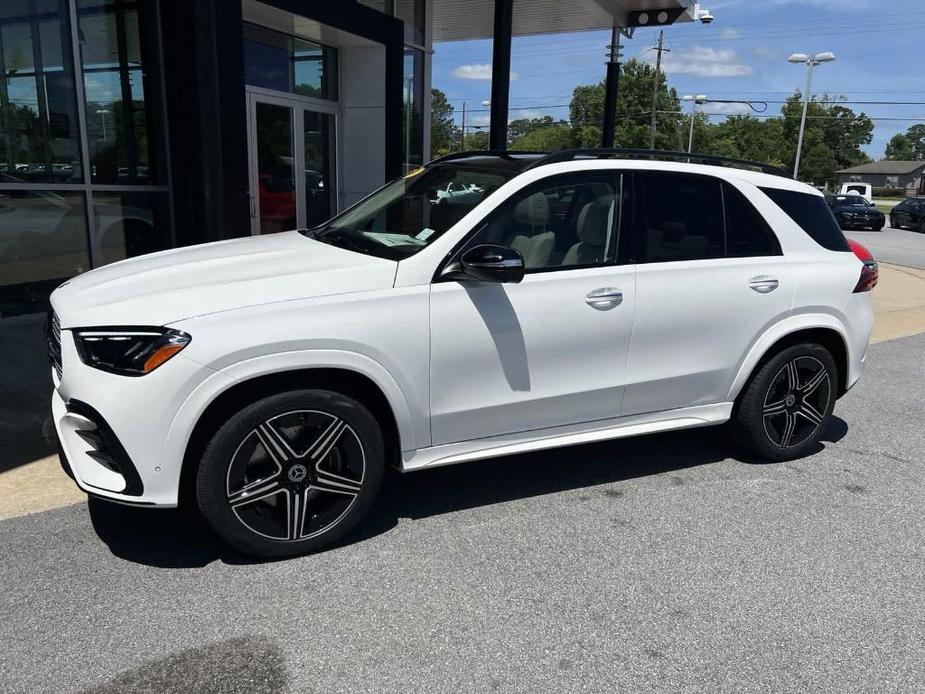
(537,246)
(593,227)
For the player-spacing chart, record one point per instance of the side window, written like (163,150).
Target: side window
(812,215)
(747,232)
(680,218)
(567,221)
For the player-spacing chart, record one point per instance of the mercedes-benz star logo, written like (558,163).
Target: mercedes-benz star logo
(297,473)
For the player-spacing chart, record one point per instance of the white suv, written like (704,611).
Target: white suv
(580,296)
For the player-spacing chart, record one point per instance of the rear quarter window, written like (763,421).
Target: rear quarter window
(813,216)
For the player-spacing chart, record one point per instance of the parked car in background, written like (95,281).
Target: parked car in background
(582,297)
(863,189)
(910,213)
(856,212)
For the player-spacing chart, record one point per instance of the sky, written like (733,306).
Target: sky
(879,48)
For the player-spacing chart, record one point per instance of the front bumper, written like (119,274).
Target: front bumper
(124,438)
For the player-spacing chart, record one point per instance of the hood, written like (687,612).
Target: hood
(166,287)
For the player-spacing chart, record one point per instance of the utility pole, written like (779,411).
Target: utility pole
(462,139)
(658,72)
(611,89)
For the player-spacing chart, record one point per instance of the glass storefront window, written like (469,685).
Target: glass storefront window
(274,60)
(130,223)
(121,113)
(276,179)
(413,109)
(39,132)
(43,241)
(319,163)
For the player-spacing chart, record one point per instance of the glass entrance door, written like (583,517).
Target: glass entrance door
(292,172)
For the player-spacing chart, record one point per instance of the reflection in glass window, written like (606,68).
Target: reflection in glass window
(319,163)
(130,223)
(274,60)
(412,132)
(43,241)
(39,135)
(275,176)
(117,55)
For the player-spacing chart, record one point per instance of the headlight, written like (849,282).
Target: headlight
(127,351)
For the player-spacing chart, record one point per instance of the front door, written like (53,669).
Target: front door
(548,351)
(292,164)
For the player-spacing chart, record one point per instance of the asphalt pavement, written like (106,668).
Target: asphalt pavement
(658,564)
(897,246)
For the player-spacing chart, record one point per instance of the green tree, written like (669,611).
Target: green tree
(908,146)
(444,135)
(818,163)
(900,147)
(550,138)
(634,103)
(916,135)
(516,129)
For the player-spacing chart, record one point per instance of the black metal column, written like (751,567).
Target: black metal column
(501,73)
(611,91)
(207,117)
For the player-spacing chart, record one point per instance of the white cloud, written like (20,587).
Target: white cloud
(702,61)
(725,109)
(729,33)
(476,72)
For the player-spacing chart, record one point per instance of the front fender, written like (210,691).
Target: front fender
(413,426)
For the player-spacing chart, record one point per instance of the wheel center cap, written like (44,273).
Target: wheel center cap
(790,400)
(297,473)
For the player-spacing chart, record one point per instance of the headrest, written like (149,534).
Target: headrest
(533,210)
(592,223)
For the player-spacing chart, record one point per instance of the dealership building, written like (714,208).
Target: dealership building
(131,126)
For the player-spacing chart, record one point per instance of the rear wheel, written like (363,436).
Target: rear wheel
(291,473)
(922,225)
(785,405)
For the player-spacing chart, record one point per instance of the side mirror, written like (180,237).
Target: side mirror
(487,263)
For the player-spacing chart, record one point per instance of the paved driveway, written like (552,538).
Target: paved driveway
(659,564)
(897,246)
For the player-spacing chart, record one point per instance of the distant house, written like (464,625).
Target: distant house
(888,174)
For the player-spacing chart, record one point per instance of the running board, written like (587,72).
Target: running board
(570,435)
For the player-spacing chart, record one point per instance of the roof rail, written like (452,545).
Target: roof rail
(505,154)
(630,153)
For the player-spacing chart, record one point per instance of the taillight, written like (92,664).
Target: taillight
(870,272)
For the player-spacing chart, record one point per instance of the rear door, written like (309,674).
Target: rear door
(710,277)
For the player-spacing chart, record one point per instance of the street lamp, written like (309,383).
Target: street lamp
(102,113)
(810,61)
(699,99)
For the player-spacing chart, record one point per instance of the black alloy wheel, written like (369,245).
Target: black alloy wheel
(795,404)
(291,473)
(783,409)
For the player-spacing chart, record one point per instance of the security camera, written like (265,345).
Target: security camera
(706,17)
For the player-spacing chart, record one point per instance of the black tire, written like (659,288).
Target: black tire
(922,225)
(292,473)
(769,405)
(893,223)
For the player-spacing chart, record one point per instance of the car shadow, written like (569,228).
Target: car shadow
(179,539)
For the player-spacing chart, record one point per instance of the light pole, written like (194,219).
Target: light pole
(102,112)
(699,99)
(810,61)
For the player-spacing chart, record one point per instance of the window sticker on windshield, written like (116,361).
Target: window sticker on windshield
(424,235)
(387,239)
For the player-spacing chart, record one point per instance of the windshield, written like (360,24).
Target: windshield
(406,215)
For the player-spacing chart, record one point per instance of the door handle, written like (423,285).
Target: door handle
(764,284)
(604,298)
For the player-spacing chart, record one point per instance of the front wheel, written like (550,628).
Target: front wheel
(785,405)
(893,223)
(291,473)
